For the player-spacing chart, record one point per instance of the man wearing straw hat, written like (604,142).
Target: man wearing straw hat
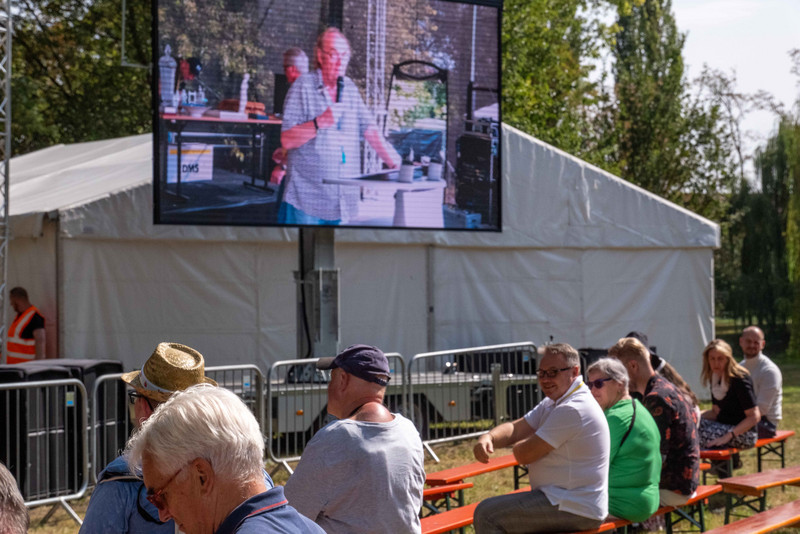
(119,503)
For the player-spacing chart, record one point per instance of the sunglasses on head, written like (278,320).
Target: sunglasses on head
(599,383)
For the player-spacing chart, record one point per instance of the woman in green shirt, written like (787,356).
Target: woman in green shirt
(635,467)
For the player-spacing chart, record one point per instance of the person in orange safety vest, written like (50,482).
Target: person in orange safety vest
(26,339)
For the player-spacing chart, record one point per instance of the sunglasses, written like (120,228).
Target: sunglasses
(599,383)
(550,373)
(156,498)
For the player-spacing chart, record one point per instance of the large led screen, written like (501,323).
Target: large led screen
(354,113)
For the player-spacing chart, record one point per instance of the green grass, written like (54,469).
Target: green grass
(500,482)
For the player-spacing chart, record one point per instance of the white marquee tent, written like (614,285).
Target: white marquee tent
(584,258)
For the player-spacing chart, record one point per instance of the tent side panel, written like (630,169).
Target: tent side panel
(122,298)
(383,297)
(667,294)
(32,265)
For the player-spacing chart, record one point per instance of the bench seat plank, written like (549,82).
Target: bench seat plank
(458,474)
(453,519)
(783,516)
(754,484)
(718,454)
(780,435)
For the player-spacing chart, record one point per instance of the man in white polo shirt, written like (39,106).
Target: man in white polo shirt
(564,441)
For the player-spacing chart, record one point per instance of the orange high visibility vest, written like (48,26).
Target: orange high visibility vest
(21,350)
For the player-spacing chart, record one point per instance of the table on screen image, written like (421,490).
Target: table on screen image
(256,137)
(417,204)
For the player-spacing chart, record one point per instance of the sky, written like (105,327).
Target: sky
(750,37)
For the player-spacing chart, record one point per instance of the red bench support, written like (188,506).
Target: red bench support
(773,446)
(433,499)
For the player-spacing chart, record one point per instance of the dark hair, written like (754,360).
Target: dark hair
(18,292)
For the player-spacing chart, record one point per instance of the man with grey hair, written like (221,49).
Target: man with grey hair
(566,431)
(767,380)
(119,504)
(324,122)
(14,517)
(201,459)
(363,472)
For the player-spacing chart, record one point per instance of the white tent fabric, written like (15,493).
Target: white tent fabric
(584,257)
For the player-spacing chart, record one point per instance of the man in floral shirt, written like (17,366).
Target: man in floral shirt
(675,417)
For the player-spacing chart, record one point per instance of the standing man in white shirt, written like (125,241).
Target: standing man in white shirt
(767,380)
(565,443)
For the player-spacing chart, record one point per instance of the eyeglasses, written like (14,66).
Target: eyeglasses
(336,55)
(599,383)
(550,373)
(157,497)
(133,395)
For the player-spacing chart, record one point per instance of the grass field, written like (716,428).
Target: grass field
(451,455)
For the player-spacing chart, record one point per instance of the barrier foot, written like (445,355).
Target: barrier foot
(75,517)
(430,451)
(71,512)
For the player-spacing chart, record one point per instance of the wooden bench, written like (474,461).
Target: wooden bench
(453,519)
(783,516)
(692,511)
(456,475)
(433,499)
(773,446)
(718,455)
(739,488)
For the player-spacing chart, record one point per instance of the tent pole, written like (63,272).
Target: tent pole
(5,167)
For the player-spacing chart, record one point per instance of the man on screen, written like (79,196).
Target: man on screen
(322,130)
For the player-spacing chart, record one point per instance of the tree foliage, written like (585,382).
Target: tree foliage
(68,83)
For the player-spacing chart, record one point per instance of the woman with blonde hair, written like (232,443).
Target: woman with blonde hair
(731,422)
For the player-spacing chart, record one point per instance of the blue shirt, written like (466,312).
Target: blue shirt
(267,512)
(119,504)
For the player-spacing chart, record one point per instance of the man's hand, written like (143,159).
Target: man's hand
(279,156)
(484,448)
(326,120)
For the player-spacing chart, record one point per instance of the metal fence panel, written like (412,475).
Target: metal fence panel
(247,382)
(457,394)
(111,421)
(44,440)
(297,398)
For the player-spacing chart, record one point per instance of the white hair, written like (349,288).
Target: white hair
(201,422)
(14,517)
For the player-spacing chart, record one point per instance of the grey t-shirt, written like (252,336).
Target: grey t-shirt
(356,477)
(768,386)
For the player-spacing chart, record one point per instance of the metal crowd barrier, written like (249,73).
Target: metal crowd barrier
(247,382)
(111,421)
(296,400)
(44,440)
(460,394)
(111,416)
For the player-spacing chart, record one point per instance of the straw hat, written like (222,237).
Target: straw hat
(172,367)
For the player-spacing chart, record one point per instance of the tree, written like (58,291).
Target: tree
(68,83)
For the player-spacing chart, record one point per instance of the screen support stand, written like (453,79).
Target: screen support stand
(317,294)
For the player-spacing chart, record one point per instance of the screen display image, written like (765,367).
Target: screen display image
(353,113)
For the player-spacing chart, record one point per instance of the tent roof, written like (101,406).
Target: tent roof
(550,199)
(65,176)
